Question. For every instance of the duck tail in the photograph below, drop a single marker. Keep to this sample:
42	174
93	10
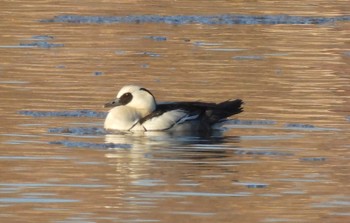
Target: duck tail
225	109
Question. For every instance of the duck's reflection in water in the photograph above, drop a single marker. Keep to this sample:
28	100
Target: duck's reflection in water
197	145
159	161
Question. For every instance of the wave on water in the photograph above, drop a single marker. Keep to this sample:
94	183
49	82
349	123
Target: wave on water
90	145
77	113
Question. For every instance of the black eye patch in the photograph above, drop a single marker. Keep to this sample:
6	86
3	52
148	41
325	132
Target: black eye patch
125	98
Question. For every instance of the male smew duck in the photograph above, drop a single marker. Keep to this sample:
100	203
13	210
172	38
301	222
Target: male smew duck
135	109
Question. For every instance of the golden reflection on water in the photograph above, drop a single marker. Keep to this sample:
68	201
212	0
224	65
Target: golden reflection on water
294	77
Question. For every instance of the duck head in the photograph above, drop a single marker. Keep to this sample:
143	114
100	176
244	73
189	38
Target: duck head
134	97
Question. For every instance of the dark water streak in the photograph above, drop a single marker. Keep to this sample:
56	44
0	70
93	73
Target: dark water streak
226	19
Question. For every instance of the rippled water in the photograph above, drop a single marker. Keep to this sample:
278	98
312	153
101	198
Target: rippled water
285	159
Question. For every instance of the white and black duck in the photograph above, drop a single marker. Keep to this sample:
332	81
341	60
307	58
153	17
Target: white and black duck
135	109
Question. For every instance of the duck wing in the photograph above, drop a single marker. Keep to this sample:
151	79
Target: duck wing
170	114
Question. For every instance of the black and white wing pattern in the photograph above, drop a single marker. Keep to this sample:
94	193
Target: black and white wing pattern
168	115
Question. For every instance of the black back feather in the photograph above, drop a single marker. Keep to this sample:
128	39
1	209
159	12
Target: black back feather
208	113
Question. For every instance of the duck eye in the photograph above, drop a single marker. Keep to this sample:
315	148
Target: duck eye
125	98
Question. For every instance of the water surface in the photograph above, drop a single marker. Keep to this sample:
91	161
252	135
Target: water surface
285	159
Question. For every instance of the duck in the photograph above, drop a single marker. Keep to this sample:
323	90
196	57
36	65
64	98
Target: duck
136	109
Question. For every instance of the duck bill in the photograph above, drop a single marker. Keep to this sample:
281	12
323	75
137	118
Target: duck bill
112	104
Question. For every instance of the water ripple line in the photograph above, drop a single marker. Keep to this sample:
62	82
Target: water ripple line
223	19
